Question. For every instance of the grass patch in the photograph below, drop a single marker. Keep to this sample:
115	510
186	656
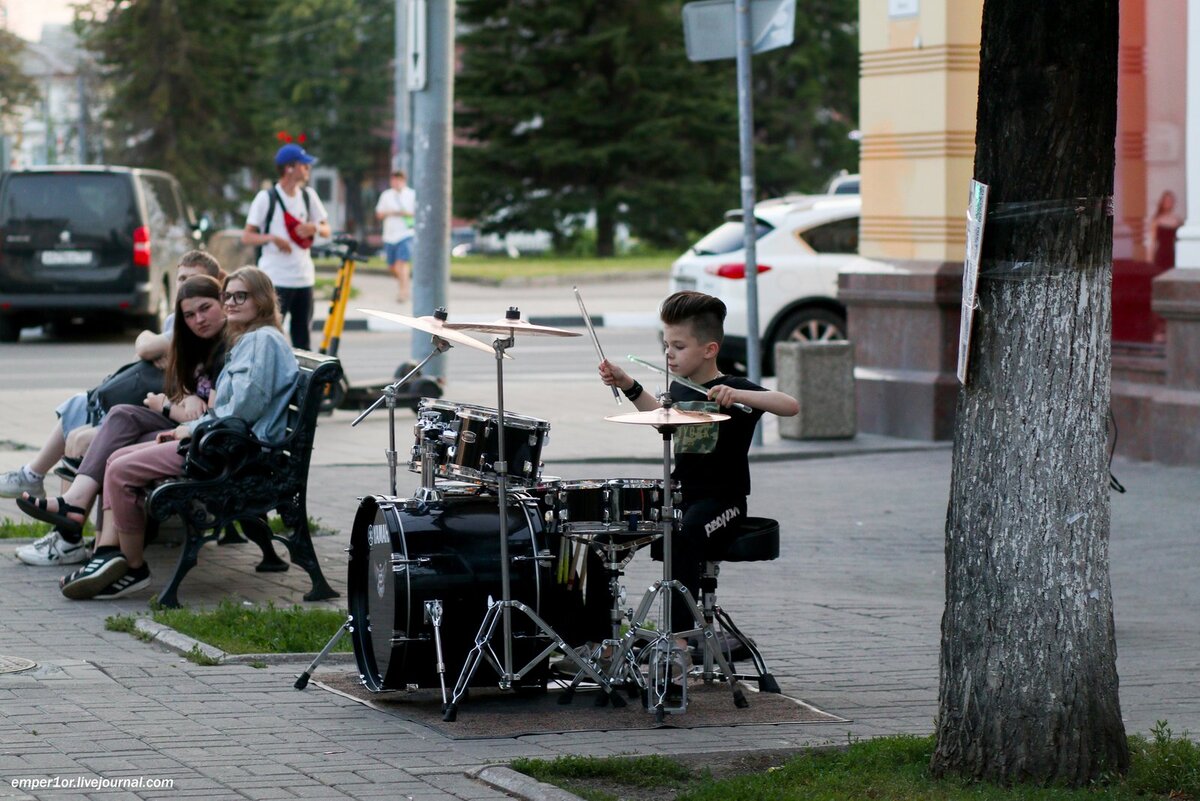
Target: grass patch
239	629
1164	766
126	624
497	268
32	529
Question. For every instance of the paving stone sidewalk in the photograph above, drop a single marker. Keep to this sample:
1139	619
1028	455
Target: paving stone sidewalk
848	619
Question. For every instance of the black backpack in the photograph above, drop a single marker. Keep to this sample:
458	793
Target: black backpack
274	199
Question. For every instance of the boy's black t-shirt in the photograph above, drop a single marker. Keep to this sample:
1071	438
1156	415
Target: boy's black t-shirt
712	459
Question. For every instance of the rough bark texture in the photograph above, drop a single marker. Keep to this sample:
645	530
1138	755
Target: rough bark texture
1028	687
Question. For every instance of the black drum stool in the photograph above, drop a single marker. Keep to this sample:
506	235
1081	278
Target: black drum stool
757	540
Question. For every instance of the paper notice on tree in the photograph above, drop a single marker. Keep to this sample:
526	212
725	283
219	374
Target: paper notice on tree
976	216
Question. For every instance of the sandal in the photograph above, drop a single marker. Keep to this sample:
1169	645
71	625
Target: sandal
37	508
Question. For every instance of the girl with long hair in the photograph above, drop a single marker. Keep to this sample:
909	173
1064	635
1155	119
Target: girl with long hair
255	385
197	352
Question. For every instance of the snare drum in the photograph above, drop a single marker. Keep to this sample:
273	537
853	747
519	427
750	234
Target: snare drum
476	447
613	504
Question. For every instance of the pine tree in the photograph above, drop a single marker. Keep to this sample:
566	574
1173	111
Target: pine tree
180	77
329	78
806	101
587	106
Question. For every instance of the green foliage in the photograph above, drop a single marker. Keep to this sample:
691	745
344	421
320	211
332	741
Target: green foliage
181	76
894	768
123	623
22	529
1165	763
239	629
16	88
806	101
201	658
590	105
329	79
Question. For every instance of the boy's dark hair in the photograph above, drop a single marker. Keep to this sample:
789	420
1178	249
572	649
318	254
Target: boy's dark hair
705	313
202	260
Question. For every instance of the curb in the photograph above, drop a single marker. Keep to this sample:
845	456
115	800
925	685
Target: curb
184	645
510	781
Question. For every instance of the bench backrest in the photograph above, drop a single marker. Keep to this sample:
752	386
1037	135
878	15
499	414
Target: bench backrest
318	372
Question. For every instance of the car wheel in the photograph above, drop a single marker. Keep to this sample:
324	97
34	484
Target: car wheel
10	329
806	325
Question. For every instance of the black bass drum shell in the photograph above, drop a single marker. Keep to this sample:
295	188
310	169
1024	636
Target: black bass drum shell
447	550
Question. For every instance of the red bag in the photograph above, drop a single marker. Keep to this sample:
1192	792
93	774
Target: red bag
290	221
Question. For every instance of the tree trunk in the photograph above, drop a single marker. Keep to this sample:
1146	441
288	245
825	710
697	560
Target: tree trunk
606	228
1028	688
355	216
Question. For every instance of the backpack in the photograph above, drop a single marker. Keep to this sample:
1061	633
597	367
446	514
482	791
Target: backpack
274	199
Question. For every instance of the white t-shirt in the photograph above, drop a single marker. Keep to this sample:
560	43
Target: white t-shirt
395	227
293	269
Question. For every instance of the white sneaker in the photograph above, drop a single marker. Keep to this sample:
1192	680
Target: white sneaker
53	550
14	482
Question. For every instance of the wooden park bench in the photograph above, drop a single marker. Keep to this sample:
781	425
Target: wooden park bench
247	479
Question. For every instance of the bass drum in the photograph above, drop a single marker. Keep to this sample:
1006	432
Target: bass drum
404	553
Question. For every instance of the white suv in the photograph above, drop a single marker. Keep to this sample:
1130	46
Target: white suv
802	243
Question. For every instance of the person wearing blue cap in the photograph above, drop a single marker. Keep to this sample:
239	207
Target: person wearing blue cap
282	223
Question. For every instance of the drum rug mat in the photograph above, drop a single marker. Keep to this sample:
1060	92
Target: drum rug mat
488	712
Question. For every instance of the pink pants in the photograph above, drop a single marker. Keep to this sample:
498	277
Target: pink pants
129	471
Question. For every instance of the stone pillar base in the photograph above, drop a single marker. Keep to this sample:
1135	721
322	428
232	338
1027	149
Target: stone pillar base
903	317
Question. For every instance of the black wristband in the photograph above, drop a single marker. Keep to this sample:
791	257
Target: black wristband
634	392
166	409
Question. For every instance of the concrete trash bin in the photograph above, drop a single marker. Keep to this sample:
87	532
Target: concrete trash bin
820	375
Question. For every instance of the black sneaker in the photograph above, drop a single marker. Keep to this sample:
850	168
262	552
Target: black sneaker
96	575
127	584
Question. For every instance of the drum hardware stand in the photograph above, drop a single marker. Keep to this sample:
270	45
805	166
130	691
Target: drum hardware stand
433	614
614	565
439	345
663	649
302	679
501	611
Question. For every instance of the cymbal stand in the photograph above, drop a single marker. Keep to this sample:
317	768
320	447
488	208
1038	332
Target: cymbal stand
438	345
662	648
500	612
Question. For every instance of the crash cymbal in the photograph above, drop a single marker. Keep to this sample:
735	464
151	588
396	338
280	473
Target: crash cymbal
513	324
435	325
667	417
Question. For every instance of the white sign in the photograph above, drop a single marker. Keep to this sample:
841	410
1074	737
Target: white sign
903	8
710	27
416	45
976	217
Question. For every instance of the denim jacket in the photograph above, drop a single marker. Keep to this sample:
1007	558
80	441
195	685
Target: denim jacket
256	383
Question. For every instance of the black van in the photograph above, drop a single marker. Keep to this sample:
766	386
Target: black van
89	242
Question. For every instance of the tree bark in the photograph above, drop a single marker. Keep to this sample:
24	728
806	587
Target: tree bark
1028	688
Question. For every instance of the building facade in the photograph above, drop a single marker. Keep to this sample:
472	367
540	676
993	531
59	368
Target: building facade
919	87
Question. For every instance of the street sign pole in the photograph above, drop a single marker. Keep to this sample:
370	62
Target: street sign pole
746	145
400	125
431	78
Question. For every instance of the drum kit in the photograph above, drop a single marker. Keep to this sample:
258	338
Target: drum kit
423	569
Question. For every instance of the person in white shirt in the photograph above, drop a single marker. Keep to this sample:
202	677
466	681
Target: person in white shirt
395	208
283	221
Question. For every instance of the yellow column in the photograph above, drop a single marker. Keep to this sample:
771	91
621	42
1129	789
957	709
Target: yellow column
920	78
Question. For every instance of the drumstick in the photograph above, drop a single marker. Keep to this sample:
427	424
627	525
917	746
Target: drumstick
587	320
741	407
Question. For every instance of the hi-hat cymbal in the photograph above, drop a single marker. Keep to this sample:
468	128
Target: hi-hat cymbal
667	417
435	326
513	324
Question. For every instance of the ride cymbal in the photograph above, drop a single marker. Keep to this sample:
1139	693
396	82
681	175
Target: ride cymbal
513	324
434	325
